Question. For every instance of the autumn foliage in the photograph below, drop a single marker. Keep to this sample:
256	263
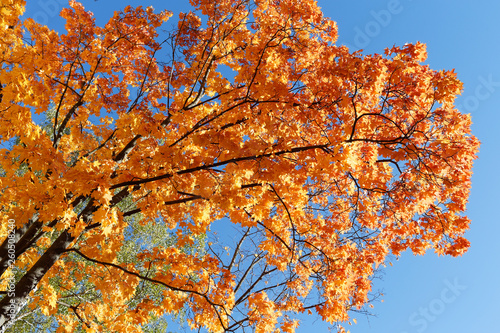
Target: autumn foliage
283	168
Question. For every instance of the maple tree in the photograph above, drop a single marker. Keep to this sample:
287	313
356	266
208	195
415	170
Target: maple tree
320	161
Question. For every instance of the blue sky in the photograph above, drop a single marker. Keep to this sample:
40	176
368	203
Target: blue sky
430	293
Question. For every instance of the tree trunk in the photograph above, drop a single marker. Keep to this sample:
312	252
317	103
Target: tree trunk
14	301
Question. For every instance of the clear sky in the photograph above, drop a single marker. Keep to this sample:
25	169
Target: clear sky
421	294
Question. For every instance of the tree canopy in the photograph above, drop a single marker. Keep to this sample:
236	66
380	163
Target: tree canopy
127	148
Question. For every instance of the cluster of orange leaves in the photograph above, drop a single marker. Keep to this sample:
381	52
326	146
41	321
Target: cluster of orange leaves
338	159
